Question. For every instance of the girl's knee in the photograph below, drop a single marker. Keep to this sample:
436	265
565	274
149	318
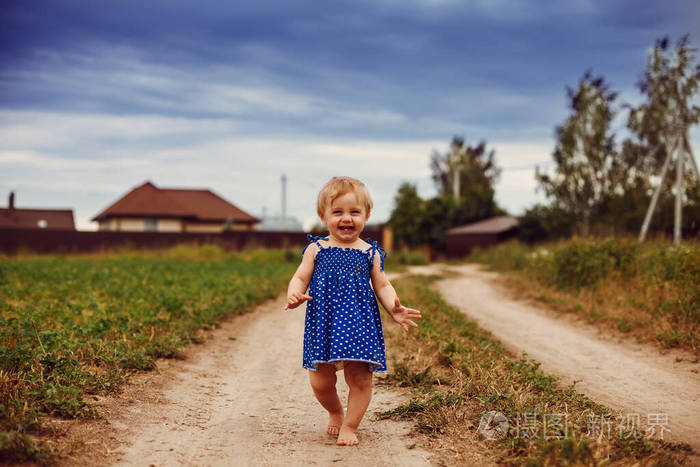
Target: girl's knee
358	377
322	380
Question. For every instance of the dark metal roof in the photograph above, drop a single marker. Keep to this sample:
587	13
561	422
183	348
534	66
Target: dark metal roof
493	225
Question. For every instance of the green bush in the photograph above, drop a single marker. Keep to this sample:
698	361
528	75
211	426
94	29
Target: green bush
545	223
674	271
408	257
511	255
583	263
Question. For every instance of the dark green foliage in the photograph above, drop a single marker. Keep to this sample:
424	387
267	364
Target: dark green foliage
417	222
544	223
406	257
406	217
584	263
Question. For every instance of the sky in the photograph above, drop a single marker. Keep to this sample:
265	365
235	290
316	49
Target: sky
98	97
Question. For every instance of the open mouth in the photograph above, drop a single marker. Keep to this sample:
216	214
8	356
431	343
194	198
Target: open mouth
346	228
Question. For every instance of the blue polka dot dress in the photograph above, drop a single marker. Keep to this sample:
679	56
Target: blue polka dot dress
343	320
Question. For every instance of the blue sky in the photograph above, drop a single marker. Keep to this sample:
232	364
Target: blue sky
98	97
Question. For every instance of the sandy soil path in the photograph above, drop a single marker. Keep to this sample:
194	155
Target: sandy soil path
629	377
242	398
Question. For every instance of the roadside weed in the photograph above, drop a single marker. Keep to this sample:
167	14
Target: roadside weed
459	372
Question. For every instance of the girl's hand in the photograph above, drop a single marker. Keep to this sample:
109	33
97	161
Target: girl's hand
403	315
296	299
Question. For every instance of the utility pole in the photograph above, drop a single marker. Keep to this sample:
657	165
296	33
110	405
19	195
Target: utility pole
678	214
681	146
455	183
655	196
284	197
456	163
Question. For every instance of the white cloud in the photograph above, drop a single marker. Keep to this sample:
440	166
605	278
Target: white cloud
51	130
34	161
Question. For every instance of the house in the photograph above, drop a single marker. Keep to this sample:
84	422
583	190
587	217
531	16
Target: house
148	208
460	241
12	217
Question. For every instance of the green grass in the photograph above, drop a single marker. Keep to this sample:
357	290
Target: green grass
407	257
649	290
71	326
458	371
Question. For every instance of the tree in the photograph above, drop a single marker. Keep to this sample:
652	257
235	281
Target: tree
670	83
587	170
477	168
406	217
478	174
541	223
416	221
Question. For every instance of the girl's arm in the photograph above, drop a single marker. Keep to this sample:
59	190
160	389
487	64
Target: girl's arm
296	292
390	301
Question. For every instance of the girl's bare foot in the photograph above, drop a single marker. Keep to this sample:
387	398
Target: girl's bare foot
347	437
335	421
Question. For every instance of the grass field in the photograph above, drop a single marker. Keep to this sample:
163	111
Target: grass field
71	326
457	372
648	291
79	325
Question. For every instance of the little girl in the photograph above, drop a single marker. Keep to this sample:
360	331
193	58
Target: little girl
343	327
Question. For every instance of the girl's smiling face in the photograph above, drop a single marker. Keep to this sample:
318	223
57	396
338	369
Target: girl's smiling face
345	218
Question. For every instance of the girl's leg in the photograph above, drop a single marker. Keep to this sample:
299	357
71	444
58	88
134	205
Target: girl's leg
323	383
359	380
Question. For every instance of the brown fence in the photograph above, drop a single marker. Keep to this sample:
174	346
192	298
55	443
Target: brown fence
73	241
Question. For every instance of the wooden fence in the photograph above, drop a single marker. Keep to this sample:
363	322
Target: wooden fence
74	241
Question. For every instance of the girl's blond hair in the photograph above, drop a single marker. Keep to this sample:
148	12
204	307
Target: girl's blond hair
338	186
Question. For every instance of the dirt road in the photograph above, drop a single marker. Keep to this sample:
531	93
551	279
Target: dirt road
241	398
630	377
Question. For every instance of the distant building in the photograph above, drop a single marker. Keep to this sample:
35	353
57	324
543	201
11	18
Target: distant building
12	217
460	241
148	208
278	223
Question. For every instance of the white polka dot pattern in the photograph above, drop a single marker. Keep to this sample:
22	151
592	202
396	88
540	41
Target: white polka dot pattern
343	320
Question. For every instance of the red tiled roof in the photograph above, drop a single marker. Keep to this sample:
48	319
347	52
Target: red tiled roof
147	200
30	218
492	225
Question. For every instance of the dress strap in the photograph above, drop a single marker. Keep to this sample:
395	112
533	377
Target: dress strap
373	249
311	238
